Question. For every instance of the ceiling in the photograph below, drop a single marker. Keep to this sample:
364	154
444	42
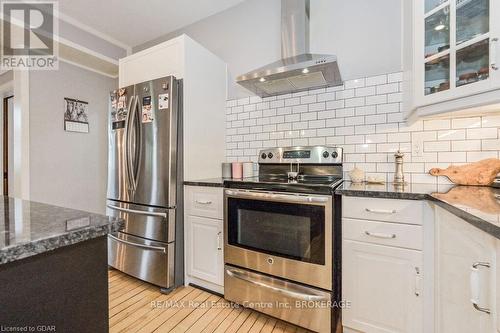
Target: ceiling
134	22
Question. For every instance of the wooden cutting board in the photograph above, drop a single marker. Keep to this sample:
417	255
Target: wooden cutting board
478	173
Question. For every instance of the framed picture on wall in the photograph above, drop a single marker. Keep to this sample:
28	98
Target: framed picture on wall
76	115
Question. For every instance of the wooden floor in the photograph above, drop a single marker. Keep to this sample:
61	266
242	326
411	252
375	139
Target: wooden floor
138	307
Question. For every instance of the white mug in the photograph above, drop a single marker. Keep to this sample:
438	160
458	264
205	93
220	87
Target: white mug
247	169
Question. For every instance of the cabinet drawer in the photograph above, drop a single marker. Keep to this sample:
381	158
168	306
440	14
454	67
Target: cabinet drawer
389	210
204	201
392	234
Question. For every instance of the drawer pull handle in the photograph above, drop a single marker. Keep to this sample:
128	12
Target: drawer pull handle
379	235
203	202
380	211
143	246
475	286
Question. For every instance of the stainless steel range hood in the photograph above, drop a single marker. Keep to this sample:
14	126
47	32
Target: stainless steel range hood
298	69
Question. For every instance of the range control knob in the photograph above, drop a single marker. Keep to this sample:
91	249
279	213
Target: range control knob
270	155
335	154
263	156
326	154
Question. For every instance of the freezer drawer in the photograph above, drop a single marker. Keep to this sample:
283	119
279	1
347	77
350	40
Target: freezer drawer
145	221
291	302
146	260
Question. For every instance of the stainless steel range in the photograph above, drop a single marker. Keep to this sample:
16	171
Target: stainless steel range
282	236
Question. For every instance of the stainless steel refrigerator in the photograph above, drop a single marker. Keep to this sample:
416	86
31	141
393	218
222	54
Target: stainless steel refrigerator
144	181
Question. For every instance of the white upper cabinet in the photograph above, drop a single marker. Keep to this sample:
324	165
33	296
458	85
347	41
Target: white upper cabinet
455	56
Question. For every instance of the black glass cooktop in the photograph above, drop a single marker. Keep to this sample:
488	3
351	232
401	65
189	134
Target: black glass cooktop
303	184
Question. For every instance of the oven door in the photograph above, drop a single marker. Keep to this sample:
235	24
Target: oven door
281	234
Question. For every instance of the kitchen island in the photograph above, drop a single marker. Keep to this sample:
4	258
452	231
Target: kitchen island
53	268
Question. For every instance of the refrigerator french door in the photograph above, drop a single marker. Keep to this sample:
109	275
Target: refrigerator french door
142	179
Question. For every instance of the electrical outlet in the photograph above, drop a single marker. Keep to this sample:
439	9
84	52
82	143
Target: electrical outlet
417	148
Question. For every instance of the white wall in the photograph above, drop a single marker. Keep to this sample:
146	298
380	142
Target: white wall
68	169
364	34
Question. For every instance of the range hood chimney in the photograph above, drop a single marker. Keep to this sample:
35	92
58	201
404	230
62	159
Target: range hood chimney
298	70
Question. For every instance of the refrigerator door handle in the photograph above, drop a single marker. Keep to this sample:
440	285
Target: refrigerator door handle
130	160
138	142
127	134
138	212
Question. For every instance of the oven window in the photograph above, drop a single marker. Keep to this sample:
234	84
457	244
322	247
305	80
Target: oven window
294	231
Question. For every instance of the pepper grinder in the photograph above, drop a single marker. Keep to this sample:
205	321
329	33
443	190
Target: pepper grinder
399	177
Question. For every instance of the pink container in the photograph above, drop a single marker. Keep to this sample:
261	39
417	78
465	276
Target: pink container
237	170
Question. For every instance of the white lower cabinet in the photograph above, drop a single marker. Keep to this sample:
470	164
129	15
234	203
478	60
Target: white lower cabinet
465	275
383	286
206	261
204	237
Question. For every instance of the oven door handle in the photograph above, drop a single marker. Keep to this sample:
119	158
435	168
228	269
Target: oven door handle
275	196
289	293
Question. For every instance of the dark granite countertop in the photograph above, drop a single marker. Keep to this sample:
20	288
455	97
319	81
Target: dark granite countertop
28	228
478	205
212	182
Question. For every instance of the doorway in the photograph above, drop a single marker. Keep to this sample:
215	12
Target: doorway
7	109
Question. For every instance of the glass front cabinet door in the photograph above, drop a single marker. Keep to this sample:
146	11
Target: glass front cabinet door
455	51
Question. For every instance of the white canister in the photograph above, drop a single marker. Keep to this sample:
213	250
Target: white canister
247	169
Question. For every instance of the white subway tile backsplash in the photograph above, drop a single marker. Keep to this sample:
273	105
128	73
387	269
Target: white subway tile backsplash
395	77
376	119
399	137
347	112
366	110
387	88
339	104
388	108
277	104
300	108
343	94
308	99
335	122
354	102
473	156
451	135
355	120
375	100
366	91
491	144
363	116
365	129
482	133
437	124
309	116
437	146
452	157
466	145
376	80
354	83
491	121
326	114
466	122
329	96
376	138
317	106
